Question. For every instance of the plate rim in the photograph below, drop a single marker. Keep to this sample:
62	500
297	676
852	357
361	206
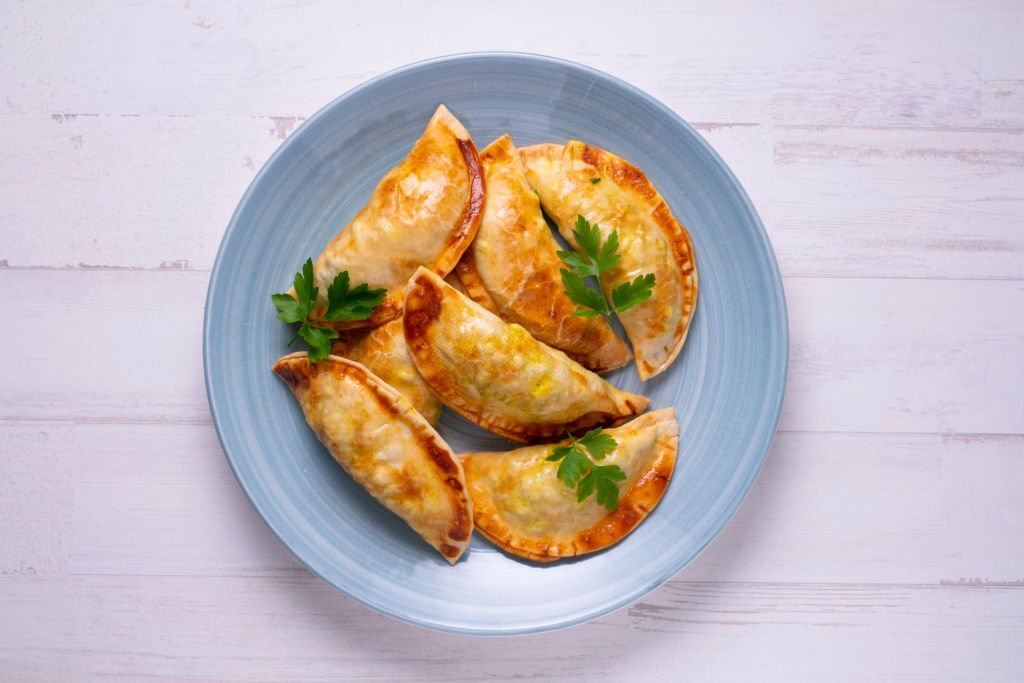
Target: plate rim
761	234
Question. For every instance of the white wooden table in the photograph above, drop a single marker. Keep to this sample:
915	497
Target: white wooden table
883	144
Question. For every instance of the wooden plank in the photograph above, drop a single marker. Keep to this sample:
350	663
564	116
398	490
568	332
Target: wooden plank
878	140
35	496
160	500
120	345
178	182
920	63
883	508
836	201
126	191
905	356
896	203
866	355
208	628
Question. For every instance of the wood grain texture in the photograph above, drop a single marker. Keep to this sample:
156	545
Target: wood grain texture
898	156
848	338
871	202
128	499
860	202
950	63
126	191
270	629
882	143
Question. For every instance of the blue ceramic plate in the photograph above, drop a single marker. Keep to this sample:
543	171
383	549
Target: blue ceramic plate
726	386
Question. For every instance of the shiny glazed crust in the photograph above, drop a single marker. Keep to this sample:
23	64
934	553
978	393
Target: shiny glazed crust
512	268
562	176
646	486
383	351
424	212
496	375
386	446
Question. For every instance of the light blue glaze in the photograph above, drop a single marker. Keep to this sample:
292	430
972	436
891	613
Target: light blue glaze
727	385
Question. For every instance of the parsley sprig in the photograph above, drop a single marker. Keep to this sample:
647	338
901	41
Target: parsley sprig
599	258
343	303
579	470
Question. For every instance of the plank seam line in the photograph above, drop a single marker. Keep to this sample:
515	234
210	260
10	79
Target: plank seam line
299	572
61	116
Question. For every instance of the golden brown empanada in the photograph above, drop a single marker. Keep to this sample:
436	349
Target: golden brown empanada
385	445
496	375
424	212
522	506
454	281
512	268
384	352
579	180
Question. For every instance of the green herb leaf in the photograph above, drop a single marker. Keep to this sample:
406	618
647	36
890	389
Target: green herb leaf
595	181
351	304
607	491
596	258
573	464
306	291
319	340
293	309
629	294
588	237
608	257
598	443
576	289
343	303
581	265
290	310
578	470
586	487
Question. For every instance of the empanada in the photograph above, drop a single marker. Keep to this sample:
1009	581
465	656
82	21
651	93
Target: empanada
576	179
520	505
496	375
512	268
386	446
424	212
384	352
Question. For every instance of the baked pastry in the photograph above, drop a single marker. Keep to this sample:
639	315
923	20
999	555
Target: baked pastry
383	351
520	505
424	212
497	375
512	268
385	445
579	180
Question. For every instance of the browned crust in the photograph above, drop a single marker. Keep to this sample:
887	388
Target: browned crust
545	312
472	211
632	180
298	372
543	150
387	311
423	300
458	239
348	340
362	347
454	282
633	508
513	551
468	272
472	283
